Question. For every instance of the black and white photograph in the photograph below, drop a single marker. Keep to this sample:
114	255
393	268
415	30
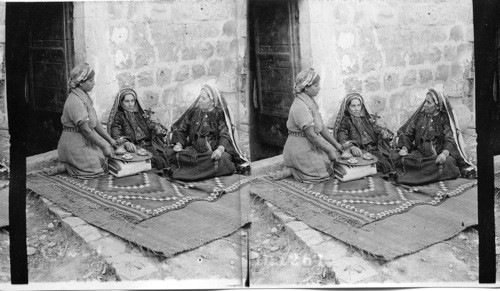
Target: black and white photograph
249	144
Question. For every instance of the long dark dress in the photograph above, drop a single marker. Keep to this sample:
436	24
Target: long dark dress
136	129
426	137
200	133
367	135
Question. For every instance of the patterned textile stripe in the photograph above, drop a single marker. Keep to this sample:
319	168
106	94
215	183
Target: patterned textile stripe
142	196
370	199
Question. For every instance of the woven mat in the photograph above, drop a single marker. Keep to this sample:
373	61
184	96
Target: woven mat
133	198
386	223
169	232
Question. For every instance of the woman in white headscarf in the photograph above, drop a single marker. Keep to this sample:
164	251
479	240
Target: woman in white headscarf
431	145
131	126
204	140
357	130
84	144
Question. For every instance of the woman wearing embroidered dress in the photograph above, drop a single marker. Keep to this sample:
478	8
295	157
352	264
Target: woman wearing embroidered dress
357	130
431	145
204	140
309	150
130	125
84	144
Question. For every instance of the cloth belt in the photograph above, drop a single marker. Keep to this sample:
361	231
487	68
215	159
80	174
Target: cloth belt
71	129
297	134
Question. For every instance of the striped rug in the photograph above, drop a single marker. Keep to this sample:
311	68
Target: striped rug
137	197
167	233
405	219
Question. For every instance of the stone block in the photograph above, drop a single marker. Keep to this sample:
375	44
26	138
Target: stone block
221	49
296	226
198	71
372	61
456	70
144	56
377	103
163	76
230	28
38	162
410	78
350	270
119	34
309	236
188	53
395	57
425	76
456	33
391	81
167	51
206	50
145	79
126	80
283	217
230	68
330	250
349	63
372	84
182	74
109	246
433	55
449	53
215	68
131	267
442	72
465	52
123	59
352	84
149	99
87	233
59	212
170	94
416	58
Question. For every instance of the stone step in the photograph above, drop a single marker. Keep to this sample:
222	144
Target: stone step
348	268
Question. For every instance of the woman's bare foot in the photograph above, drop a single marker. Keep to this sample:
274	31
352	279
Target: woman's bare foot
54	170
281	174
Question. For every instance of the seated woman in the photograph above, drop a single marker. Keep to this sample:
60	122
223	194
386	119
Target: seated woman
84	144
204	140
129	124
309	150
431	145
356	129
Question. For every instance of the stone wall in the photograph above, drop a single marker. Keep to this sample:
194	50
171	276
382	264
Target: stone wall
390	51
3	96
165	50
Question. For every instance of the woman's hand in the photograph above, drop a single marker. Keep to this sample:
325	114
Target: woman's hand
333	156
114	143
107	151
403	151
385	134
441	158
158	129
177	147
130	147
217	154
355	151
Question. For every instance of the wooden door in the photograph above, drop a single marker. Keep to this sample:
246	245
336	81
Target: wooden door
276	48
50	54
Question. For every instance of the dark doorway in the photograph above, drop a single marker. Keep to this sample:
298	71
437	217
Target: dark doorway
274	63
46	56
